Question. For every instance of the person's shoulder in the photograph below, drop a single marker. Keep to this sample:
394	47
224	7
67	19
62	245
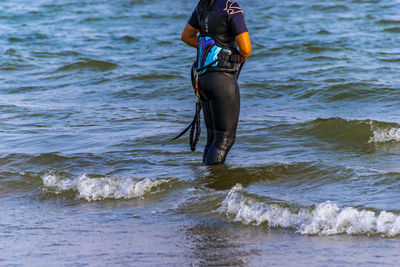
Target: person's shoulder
229	7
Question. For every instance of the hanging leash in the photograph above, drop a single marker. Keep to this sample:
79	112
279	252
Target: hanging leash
194	126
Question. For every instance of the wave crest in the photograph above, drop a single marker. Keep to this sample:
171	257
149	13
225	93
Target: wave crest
105	187
385	135
324	219
351	132
89	64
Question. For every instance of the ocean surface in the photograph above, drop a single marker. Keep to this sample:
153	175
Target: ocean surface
90	90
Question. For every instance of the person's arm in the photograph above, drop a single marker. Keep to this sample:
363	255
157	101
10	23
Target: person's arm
189	36
239	30
243	41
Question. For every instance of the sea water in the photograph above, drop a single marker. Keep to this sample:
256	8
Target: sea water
90	90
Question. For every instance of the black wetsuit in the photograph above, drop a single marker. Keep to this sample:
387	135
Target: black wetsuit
219	89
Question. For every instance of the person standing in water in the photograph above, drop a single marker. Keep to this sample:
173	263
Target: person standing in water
223	44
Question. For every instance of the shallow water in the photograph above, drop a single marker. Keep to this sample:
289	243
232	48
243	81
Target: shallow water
90	90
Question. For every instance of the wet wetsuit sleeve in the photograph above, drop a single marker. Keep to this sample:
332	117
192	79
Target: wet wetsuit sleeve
193	20
236	19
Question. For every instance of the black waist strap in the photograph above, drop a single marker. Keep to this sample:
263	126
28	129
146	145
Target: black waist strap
232	58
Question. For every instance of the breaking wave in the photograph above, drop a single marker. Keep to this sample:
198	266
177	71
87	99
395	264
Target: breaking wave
326	218
354	132
385	135
105	187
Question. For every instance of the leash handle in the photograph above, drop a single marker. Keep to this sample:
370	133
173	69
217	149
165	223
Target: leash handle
195	128
196	85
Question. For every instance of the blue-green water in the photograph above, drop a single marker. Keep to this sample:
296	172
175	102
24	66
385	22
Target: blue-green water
91	89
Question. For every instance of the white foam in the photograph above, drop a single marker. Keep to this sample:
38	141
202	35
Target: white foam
58	183
325	219
102	188
385	135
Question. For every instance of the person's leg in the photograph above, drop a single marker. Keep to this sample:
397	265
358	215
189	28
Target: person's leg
224	106
209	125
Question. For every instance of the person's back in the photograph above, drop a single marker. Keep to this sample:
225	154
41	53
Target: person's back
223	22
222	31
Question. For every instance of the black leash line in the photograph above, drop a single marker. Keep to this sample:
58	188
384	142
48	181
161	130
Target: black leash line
194	126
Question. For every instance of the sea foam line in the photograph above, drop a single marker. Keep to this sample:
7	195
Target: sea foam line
385	135
105	187
325	219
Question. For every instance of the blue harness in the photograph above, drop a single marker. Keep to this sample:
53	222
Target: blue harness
208	54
